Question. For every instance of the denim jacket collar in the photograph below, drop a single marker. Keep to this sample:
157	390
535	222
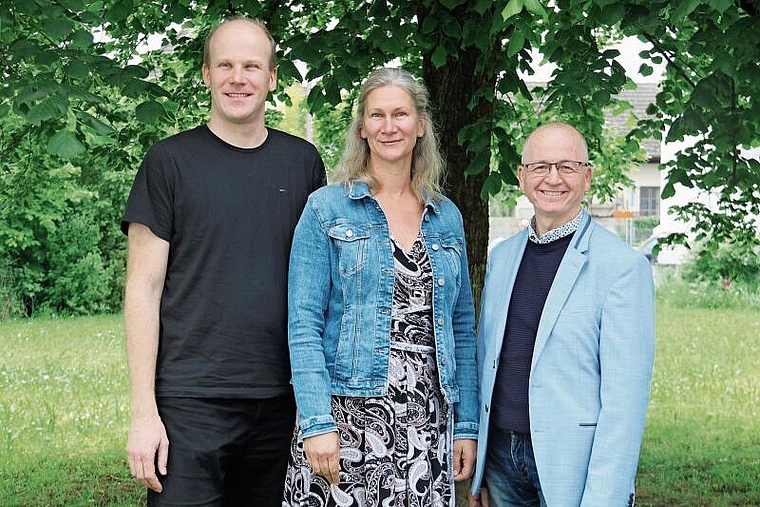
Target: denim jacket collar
360	190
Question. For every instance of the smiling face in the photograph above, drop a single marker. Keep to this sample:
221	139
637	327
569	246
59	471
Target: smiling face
238	74
391	126
556	197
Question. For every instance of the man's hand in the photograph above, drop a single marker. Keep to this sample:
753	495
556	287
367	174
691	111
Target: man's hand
322	452
148	446
479	500
465	451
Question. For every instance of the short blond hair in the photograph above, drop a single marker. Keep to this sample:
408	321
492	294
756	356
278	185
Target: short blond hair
255	22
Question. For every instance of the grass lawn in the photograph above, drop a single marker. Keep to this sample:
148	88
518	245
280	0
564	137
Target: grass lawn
64	412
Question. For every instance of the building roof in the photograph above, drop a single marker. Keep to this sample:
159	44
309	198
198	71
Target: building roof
639	98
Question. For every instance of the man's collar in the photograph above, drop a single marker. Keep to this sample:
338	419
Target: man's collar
556	233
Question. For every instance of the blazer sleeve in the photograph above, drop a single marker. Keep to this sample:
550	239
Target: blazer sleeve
626	356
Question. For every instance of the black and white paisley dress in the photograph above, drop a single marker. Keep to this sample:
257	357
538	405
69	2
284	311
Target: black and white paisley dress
395	450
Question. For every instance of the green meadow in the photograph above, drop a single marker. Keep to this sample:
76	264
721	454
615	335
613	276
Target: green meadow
64	411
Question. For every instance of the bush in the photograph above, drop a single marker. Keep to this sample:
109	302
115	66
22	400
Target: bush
10	303
737	262
677	287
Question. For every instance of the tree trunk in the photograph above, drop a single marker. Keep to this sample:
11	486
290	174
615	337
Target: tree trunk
450	88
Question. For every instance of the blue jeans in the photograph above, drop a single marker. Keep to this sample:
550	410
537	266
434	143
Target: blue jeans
510	475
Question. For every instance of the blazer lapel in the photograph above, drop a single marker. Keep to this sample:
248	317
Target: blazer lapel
567	274
505	271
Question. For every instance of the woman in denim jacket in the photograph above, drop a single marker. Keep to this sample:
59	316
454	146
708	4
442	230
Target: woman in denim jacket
381	319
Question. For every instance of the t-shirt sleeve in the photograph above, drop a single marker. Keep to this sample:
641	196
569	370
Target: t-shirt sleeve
320	176
150	201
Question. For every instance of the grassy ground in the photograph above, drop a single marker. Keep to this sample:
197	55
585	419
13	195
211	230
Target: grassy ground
64	413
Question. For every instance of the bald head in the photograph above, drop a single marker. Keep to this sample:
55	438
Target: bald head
558	137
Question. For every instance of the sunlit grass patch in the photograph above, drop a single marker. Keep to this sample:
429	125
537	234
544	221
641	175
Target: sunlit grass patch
63	386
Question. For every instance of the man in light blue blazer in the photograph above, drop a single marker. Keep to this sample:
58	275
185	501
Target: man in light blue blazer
565	346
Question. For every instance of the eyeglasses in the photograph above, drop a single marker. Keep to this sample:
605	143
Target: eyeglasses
564	167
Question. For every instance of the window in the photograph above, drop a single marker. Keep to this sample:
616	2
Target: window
649	201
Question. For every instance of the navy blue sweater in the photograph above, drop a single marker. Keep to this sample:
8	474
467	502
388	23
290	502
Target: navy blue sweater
534	279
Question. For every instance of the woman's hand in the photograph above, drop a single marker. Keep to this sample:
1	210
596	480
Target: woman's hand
322	453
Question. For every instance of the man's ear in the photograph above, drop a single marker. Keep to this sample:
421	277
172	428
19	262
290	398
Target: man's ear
206	75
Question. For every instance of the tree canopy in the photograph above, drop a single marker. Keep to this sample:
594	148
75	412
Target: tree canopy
84	95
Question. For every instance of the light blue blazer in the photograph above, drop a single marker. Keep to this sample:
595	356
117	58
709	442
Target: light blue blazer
591	367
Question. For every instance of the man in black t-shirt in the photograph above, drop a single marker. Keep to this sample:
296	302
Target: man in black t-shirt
210	220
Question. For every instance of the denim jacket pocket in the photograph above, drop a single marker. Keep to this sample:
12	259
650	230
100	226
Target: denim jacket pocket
452	249
350	240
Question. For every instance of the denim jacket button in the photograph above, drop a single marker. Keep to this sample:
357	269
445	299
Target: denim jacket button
435	246
441	281
440	321
349	233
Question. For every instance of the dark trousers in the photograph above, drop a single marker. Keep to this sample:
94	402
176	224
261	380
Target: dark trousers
225	452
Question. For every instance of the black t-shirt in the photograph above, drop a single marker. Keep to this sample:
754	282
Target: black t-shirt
228	214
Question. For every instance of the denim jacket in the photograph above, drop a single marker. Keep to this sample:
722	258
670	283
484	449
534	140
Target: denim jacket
340	290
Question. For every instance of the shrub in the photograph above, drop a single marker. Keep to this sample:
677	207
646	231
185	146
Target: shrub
730	262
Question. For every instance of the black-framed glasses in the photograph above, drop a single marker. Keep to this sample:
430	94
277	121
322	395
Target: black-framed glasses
564	167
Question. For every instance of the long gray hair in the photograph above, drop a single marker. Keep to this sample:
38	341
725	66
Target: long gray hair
427	162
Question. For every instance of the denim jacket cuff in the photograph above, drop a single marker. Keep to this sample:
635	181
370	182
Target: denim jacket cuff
466	430
317	425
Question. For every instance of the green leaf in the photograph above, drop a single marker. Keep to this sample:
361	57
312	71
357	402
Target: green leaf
452	4
704	95
481	6
57	28
721	5
97	125
72	5
134	88
685	8
76	69
452	29
119	11
645	70
65	144
516	43
479	163
429	24
50	108
601	98
439	56
535	8
136	71
491	186
81	39
604	3
513	8
149	112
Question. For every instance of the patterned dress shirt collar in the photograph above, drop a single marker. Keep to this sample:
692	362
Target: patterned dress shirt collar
556	233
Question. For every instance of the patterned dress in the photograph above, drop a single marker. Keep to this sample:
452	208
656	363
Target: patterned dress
395	450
